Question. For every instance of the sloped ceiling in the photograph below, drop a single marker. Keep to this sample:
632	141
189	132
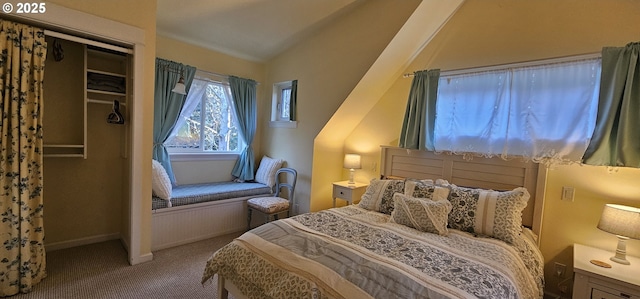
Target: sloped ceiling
255	30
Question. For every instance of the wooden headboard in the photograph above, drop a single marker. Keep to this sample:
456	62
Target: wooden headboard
488	173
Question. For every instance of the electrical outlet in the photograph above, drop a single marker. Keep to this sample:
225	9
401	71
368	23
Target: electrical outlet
560	269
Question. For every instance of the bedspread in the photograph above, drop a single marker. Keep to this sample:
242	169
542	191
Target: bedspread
354	253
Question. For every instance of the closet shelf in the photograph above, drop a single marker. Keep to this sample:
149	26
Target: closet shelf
111	93
65	145
106	73
63	155
63	151
101	52
105	102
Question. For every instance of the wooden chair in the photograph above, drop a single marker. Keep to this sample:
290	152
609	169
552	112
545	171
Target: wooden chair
272	206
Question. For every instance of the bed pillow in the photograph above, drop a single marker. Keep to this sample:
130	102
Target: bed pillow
497	214
420	213
160	182
379	195
425	189
266	173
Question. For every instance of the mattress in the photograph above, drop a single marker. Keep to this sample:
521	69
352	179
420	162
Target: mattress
197	193
351	252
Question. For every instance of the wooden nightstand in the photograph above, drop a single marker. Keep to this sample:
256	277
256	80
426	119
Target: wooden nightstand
591	281
348	192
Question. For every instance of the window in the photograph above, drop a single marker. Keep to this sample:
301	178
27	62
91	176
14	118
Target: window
544	112
284	104
281	105
207	123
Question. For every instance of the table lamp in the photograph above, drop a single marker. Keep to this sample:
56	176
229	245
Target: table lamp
352	162
624	222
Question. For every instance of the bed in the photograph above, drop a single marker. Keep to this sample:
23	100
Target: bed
379	249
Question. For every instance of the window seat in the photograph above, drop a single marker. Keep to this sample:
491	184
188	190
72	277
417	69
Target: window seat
205	192
201	211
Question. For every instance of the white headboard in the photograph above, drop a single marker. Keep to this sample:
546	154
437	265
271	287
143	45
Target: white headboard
479	172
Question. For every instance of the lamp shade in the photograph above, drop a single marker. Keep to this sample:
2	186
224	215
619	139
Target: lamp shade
620	220
180	88
352	161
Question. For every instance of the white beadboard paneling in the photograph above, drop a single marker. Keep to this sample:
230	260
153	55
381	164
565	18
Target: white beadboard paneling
185	224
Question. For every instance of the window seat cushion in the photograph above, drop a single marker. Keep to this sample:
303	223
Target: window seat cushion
197	193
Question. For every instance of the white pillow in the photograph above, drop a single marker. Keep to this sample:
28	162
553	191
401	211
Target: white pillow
160	182
266	173
421	213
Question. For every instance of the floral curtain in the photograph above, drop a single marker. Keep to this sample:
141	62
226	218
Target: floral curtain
22	254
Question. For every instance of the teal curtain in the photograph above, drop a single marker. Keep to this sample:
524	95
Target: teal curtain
293	101
243	92
167	106
420	115
22	63
616	138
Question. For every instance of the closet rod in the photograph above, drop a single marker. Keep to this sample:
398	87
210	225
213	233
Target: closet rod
514	65
87	41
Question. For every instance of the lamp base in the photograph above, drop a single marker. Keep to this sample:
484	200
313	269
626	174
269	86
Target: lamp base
351	181
620	261
621	252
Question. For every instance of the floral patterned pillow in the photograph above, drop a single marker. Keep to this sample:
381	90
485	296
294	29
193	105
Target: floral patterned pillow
425	189
379	195
420	213
497	214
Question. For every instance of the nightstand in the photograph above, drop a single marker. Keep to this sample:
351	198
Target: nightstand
348	192
591	281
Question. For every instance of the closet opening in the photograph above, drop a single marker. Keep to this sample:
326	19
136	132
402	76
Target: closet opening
100	195
86	149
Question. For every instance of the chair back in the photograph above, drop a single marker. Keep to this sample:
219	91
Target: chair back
291	175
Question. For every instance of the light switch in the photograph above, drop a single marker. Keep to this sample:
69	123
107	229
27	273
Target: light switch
567	193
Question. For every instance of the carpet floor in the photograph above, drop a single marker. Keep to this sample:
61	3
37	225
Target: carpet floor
101	270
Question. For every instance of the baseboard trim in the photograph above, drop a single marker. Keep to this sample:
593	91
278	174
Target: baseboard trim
141	259
197	238
82	241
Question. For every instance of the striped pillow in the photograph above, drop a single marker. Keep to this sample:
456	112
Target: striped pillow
266	173
497	214
379	195
421	213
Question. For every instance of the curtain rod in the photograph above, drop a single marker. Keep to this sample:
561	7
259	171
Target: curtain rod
216	74
514	65
91	42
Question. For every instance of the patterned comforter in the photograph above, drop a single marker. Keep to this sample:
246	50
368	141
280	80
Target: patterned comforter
350	252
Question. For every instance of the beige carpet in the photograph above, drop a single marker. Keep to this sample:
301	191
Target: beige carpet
101	271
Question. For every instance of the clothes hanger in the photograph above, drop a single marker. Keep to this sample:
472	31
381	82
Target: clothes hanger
115	117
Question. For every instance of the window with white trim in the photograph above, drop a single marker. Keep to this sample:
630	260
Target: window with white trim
207	123
543	112
281	105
